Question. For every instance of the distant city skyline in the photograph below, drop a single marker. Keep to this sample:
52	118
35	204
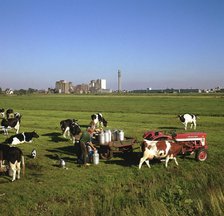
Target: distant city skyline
155	44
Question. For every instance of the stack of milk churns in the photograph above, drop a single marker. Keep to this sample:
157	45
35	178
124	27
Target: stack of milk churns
107	136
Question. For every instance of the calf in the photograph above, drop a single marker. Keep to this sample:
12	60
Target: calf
98	120
14	157
11	123
188	118
21	138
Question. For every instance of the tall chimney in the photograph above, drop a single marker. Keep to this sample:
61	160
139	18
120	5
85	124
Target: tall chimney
119	81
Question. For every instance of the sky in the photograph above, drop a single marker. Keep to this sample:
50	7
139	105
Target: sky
155	44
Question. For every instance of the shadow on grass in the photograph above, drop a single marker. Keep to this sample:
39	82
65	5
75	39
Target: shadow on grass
169	128
67	153
55	137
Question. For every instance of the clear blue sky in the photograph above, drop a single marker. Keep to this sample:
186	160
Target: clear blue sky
155	43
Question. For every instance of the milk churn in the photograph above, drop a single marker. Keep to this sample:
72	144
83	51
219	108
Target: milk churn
121	135
114	135
109	132
95	158
102	138
107	136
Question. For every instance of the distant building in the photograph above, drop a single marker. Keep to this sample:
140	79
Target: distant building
97	85
63	87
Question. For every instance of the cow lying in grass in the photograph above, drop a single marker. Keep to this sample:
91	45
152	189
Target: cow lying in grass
188	119
14	157
162	149
21	138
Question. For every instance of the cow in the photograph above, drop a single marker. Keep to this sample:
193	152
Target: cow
65	126
10	123
21	138
98	120
162	149
188	118
14	157
70	128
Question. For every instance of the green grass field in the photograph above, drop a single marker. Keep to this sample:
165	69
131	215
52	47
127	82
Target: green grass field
115	187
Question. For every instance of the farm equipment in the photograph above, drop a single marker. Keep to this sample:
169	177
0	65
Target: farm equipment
195	141
115	145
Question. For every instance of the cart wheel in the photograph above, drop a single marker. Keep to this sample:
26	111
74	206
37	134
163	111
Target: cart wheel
106	153
201	155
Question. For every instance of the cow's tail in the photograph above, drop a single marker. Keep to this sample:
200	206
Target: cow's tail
23	164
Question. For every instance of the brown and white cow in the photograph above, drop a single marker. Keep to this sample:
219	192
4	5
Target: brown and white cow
161	149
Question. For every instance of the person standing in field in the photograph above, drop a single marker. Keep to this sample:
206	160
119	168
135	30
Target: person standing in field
84	146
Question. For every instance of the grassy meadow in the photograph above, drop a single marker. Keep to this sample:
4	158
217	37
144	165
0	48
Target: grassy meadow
117	186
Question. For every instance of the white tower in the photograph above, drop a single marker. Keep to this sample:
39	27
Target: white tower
119	81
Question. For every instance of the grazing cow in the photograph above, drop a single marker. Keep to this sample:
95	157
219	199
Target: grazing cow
14	157
188	118
70	127
66	125
11	123
21	138
98	120
162	149
157	149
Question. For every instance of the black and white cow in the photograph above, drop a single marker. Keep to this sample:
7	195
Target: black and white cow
10	123
21	138
14	157
188	118
70	128
98	120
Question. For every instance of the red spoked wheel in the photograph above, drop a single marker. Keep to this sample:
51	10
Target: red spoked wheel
201	155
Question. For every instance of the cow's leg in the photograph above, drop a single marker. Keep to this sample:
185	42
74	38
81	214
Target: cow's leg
195	125
142	160
175	159
66	132
147	162
13	168
17	127
167	160
185	126
18	168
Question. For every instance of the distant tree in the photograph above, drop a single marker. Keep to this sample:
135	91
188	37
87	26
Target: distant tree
0	90
20	92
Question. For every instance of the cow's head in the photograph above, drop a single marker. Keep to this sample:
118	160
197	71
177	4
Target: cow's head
104	122
34	134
